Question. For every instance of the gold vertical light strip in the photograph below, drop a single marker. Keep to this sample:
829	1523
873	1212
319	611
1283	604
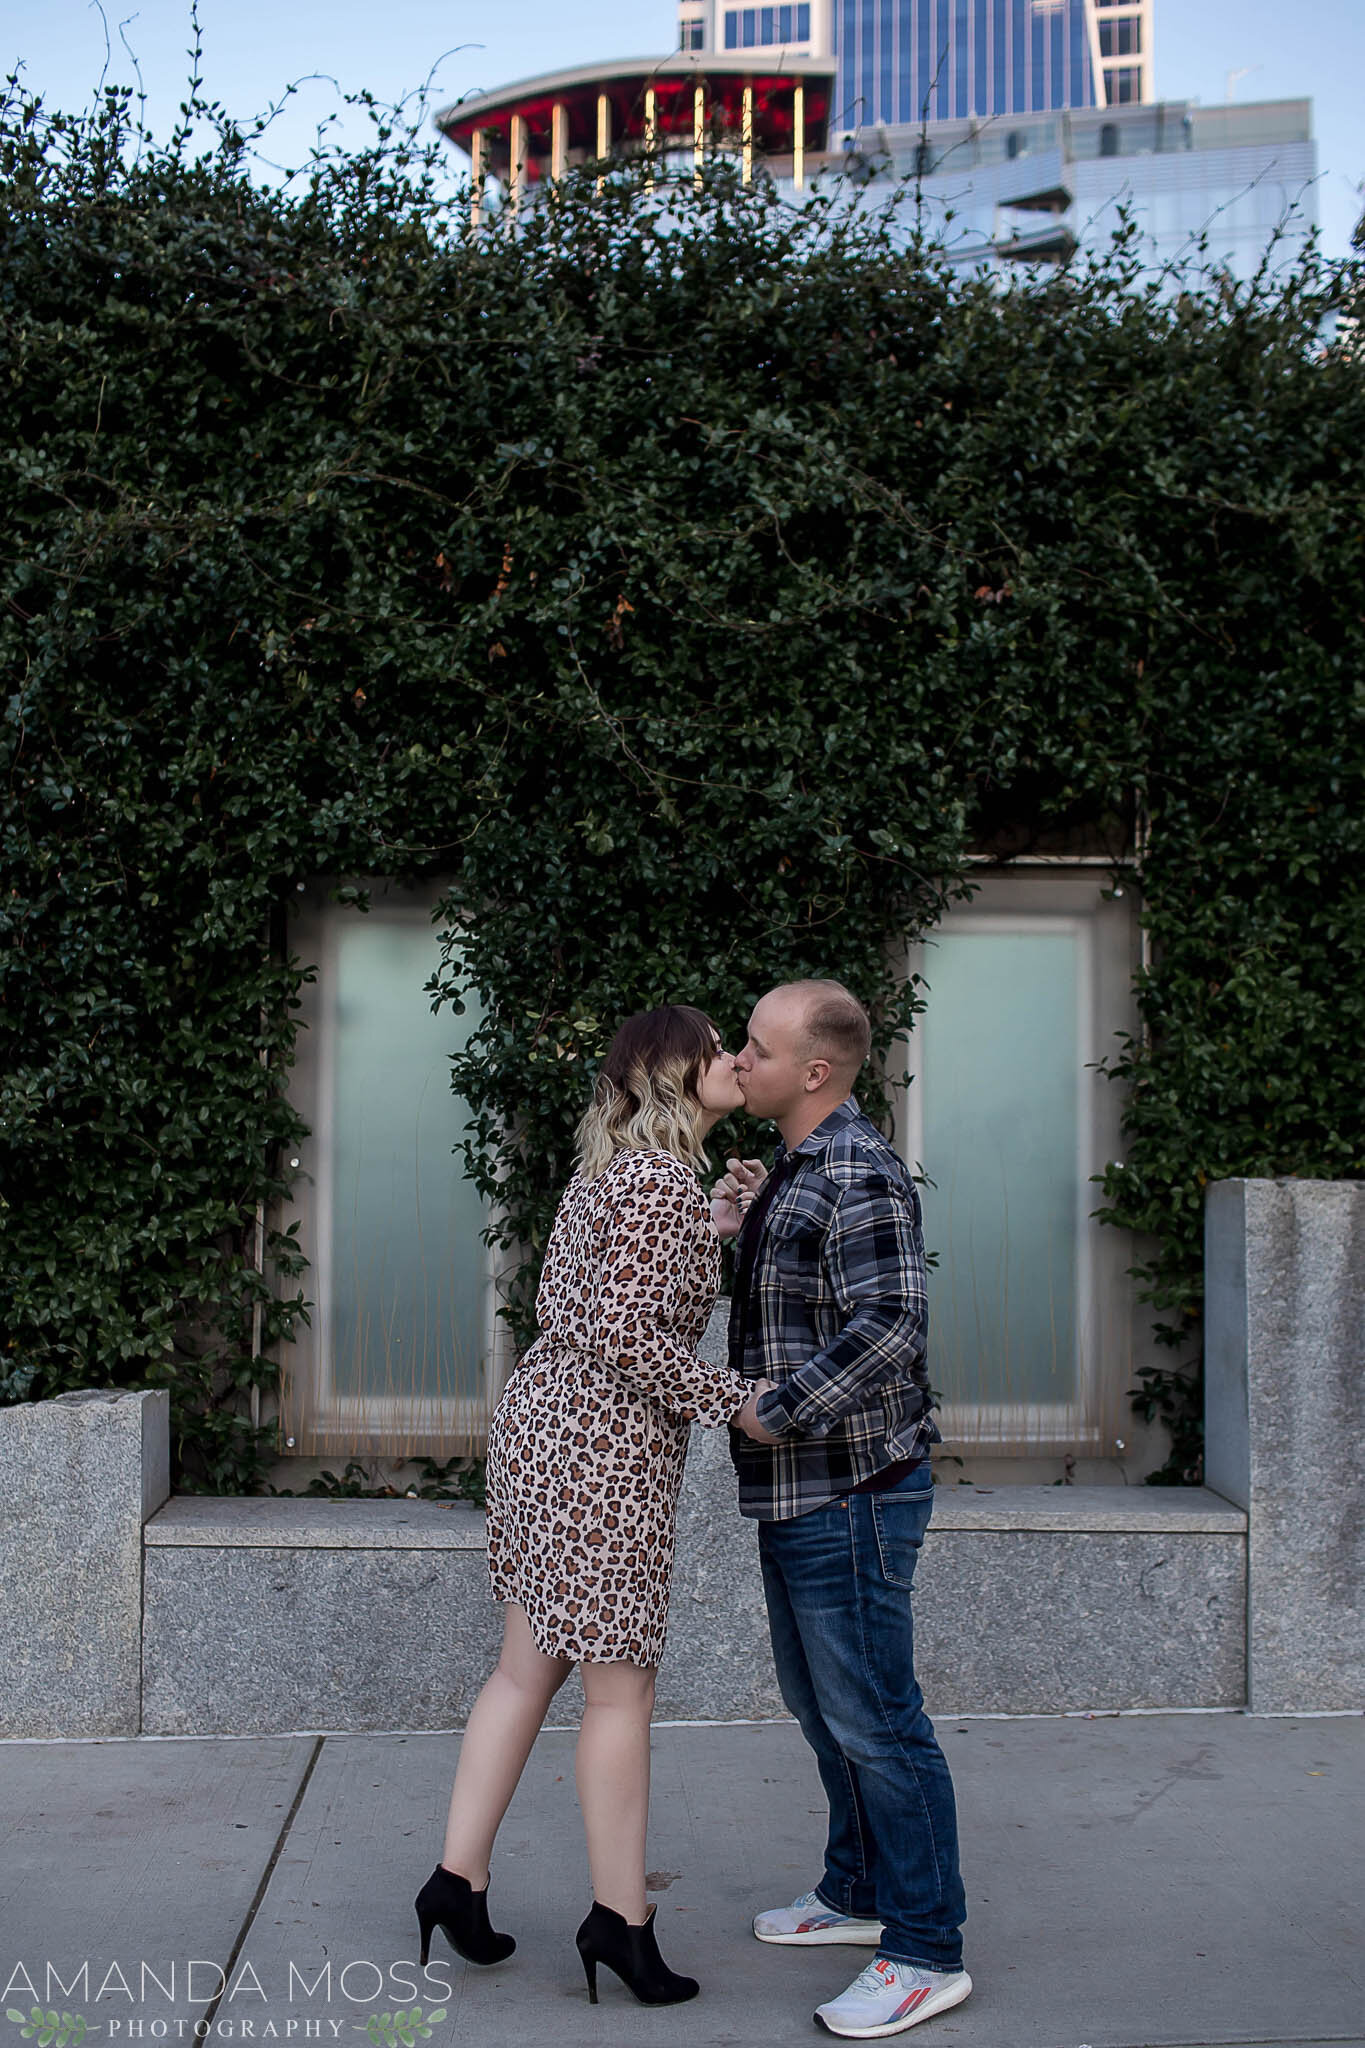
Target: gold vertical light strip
651	134
559	136
747	131
476	178
799	136
516	169
698	131
603	129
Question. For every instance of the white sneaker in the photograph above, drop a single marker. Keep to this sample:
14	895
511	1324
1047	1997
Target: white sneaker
888	1997
809	1923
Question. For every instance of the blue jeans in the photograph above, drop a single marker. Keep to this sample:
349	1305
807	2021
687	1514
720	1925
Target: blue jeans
837	1582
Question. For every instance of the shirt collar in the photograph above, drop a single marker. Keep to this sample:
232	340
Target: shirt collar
815	1141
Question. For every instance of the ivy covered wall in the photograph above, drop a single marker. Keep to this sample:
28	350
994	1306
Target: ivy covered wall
694	584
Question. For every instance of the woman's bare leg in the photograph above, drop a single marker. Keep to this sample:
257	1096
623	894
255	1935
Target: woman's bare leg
612	1772
503	1725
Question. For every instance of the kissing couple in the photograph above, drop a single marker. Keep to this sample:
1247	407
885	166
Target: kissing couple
826	1396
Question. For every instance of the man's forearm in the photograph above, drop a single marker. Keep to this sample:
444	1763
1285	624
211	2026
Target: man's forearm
879	1343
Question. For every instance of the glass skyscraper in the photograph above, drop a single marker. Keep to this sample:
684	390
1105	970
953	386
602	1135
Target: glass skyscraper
943	60
906	61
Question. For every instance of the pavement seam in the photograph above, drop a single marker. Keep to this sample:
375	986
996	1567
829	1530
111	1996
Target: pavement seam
258	1895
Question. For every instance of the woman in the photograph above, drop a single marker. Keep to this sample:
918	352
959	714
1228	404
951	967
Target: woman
585	1459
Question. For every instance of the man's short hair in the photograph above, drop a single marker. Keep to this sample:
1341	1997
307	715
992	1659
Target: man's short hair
835	1027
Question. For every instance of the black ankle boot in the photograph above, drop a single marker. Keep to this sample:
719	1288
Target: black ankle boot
633	1952
449	1902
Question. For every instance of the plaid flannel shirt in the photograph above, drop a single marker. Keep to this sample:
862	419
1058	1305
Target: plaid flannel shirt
836	1313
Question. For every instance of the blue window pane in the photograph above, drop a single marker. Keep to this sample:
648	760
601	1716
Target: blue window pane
1057	97
784	24
867	70
942	52
749	26
732	30
766	31
924	63
885	108
905	45
1077	95
848	113
803	23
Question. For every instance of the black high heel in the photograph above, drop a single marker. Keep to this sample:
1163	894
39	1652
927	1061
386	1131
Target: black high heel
450	1902
633	1952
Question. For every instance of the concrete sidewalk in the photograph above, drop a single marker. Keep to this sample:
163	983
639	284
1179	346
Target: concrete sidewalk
1168	1880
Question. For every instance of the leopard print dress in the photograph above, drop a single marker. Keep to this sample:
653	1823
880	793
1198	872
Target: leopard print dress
586	1448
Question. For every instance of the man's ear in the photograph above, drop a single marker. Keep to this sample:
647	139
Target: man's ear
817	1073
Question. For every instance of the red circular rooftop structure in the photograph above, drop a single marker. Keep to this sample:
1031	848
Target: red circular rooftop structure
543	127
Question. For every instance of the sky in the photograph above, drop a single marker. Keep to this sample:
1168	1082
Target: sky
1205	49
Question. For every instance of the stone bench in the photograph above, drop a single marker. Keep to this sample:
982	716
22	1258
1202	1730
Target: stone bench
123	1611
265	1616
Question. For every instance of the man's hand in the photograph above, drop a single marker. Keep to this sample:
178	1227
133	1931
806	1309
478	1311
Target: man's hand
734	1192
747	1418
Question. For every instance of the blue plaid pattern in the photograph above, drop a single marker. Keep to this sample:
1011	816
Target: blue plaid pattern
835	1312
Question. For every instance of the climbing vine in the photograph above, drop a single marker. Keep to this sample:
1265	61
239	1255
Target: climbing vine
689	583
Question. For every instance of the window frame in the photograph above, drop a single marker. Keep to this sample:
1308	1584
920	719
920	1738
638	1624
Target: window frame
1052	896
314	1419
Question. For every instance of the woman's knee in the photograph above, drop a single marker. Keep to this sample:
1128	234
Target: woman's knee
538	1682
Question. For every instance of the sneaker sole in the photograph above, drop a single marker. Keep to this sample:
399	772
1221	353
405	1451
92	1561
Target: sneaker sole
859	1934
937	2002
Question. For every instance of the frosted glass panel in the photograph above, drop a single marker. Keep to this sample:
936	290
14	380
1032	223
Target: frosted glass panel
407	1263
999	1070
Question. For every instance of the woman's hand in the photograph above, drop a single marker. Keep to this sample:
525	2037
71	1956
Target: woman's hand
734	1193
746	1420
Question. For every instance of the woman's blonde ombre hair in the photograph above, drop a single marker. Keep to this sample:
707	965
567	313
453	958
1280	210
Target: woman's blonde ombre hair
646	1099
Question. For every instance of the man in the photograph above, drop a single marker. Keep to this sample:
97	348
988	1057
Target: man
829	1313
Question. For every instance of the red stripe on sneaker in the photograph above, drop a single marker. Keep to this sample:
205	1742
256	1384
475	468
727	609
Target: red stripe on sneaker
916	1998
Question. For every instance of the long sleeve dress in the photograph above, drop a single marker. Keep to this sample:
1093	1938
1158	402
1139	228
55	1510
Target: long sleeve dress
587	1444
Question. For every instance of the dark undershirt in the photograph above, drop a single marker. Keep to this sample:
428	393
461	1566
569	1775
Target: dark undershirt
883	1481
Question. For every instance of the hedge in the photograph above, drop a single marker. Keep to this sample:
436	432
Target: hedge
691	582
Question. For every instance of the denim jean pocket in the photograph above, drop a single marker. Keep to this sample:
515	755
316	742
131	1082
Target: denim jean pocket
900	1520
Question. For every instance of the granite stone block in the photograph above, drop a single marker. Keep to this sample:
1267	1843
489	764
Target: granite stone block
1285	1421
718	1663
247	1640
1046	1622
1025	1602
1028	1599
78	1476
1016	1612
264	1616
213	1521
